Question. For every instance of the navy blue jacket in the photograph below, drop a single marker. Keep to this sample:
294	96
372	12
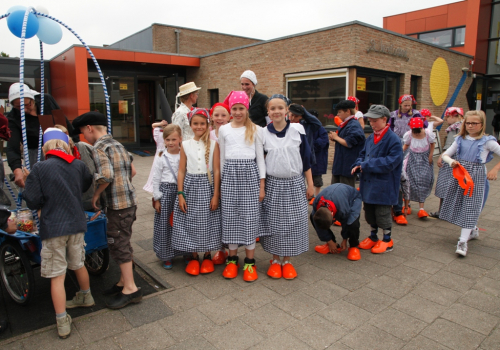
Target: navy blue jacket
321	146
381	166
311	124
344	157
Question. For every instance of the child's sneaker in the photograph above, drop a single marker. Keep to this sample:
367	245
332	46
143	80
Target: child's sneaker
474	234
80	300
167	265
64	326
461	248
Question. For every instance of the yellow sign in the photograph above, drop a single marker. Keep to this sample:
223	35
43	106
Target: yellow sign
123	107
479	96
439	81
361	84
123	87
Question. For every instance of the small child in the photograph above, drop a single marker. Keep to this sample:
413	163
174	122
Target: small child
380	163
165	172
284	210
349	141
321	146
473	149
418	163
432	121
454	117
55	186
342	203
358	115
197	221
160	147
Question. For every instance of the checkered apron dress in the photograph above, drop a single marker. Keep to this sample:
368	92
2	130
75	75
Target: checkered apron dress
463	210
198	230
420	175
284	217
162	236
445	177
240	186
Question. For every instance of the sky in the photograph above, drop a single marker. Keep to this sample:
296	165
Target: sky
100	22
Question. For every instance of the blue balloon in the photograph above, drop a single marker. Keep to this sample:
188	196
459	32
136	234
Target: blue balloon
15	24
16	8
49	32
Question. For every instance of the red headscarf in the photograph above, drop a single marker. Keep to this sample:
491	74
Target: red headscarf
407	98
219	104
425	112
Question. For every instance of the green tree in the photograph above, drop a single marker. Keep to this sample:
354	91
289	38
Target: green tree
3	54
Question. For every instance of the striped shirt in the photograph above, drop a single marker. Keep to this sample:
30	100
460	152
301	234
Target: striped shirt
114	166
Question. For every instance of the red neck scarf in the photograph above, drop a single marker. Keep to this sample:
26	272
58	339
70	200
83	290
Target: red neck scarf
378	135
60	154
341	125
76	153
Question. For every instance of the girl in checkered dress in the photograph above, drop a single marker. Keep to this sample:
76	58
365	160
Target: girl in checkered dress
164	175
285	208
472	150
242	185
454	117
418	162
197	222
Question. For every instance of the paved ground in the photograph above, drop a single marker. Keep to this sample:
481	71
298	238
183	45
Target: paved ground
420	296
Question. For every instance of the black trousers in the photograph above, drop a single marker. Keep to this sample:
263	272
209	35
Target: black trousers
350	231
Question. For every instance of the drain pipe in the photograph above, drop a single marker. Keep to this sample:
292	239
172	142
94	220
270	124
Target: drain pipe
177	40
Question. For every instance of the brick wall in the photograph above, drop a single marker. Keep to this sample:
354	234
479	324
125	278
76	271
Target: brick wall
194	42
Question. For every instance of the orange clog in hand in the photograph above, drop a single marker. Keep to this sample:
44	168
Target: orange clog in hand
464	179
337	120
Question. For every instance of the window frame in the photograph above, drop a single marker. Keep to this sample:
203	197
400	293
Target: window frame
453	36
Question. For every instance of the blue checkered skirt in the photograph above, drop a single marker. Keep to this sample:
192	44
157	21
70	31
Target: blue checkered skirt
445	177
420	175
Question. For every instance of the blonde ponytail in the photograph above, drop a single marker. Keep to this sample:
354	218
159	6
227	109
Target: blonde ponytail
206	141
250	131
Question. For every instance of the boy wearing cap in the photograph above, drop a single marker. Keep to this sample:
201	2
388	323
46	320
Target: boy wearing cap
380	164
342	203
55	186
349	141
114	178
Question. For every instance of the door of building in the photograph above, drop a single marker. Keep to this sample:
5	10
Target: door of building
147	110
377	87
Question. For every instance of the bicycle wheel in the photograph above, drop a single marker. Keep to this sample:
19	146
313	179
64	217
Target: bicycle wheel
16	272
97	262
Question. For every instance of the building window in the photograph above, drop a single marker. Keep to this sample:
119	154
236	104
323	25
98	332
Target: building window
214	96
446	38
318	90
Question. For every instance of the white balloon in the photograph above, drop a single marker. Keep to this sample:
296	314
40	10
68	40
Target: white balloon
42	9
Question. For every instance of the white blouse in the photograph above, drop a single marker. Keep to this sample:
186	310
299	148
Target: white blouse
162	173
180	118
489	146
419	145
232	145
195	154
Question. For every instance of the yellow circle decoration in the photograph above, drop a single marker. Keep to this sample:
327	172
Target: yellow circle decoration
440	81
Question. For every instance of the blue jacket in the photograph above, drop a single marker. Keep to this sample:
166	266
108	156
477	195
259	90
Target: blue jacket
344	157
381	166
311	124
321	145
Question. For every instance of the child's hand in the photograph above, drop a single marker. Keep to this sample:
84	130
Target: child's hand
214	203
310	192
430	160
333	135
440	162
158	207
182	204
262	194
355	169
454	164
492	174
95	199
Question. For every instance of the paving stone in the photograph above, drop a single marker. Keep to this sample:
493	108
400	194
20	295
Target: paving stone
331	263
146	257
492	342
213	288
398	324
49	340
176	325
299	305
494	273
106	343
488	251
482	301
423	343
242	335
419	307
436	293
281	341
317	332
466	270
369	300
488	286
223	309
347	280
283	286
101	326
469	317
414	243
325	291
408	274
424	265
370	338
391	286
479	260
176	277
269	320
338	346
255	296
453	281
367	268
387	260
147	337
147	311
16	345
182	299
404	252
345	314
309	273
453	335
193	343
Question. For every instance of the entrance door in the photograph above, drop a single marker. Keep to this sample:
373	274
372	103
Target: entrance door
122	99
147	110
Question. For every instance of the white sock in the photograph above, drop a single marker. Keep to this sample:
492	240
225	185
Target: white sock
464	235
232	246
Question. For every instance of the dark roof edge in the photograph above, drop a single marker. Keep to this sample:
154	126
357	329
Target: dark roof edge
140	31
205	31
334	27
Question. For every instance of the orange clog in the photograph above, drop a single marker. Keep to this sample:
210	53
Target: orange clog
400	220
257	239
274	270
207	266
422	214
193	267
322	249
367	243
220	257
408	211
382	247
289	272
231	270
337	223
249	273
354	254
312	201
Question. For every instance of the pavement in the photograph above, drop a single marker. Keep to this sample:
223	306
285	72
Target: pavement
419	296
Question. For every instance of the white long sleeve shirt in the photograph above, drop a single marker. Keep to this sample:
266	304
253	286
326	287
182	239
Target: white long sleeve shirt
162	173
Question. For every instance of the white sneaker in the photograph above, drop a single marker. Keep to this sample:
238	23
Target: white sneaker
461	248
474	234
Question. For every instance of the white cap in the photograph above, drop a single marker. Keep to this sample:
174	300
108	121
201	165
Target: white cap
250	76
15	92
